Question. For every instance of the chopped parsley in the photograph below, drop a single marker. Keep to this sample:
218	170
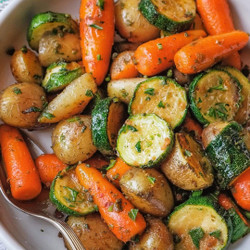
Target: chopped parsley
99	57
72	194
74	119
132	128
149	91
216	234
159	45
133	213
24	49
17	91
138	146
161	105
48	115
187	153
100	3
151	179
219	111
110	208
111	164
31	109
89	93
196	234
218	87
95	26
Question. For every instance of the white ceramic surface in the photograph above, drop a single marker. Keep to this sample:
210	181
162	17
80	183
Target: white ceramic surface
17	230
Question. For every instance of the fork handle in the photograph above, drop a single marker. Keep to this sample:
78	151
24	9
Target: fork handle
69	235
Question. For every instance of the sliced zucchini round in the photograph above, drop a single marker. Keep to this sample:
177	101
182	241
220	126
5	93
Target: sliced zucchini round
49	21
69	195
226	150
59	75
108	116
243	114
187	167
214	96
144	140
160	96
198	224
173	15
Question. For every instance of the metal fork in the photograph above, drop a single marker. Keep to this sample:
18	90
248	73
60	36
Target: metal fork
41	207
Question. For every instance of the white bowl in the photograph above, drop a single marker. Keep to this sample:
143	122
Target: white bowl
17	230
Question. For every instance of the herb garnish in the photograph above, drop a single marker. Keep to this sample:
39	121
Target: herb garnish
133	213
138	146
196	234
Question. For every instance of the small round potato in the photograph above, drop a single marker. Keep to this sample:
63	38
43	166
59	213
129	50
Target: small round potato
131	24
21	104
72	140
94	233
156	237
26	67
54	48
148	190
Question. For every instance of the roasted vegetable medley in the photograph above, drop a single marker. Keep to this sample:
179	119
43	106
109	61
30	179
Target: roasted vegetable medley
148	110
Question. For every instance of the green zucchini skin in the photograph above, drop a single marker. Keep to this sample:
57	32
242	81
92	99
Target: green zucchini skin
61	78
99	126
74	207
240	229
59	19
193	88
208	202
149	11
228	154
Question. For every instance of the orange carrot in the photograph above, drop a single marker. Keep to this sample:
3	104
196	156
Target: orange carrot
204	53
48	166
117	171
191	125
97	36
123	220
227	204
21	171
241	189
157	55
123	66
97	161
217	19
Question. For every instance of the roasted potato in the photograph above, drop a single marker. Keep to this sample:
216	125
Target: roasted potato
21	104
71	101
72	139
187	167
26	67
123	89
148	190
156	237
131	24
94	233
54	48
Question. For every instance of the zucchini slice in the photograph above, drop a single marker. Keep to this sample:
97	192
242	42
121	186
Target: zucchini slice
59	75
107	118
170	15
49	21
160	96
198	224
226	150
144	140
214	96
187	167
69	195
243	114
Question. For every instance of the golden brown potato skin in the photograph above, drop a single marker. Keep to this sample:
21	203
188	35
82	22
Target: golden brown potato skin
94	233
72	139
156	237
53	48
148	190
131	24
26	67
21	104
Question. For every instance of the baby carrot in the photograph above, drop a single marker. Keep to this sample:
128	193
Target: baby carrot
123	220
217	19
157	55
191	126
241	189
21	171
115	173
123	66
204	53
48	166
97	36
97	161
